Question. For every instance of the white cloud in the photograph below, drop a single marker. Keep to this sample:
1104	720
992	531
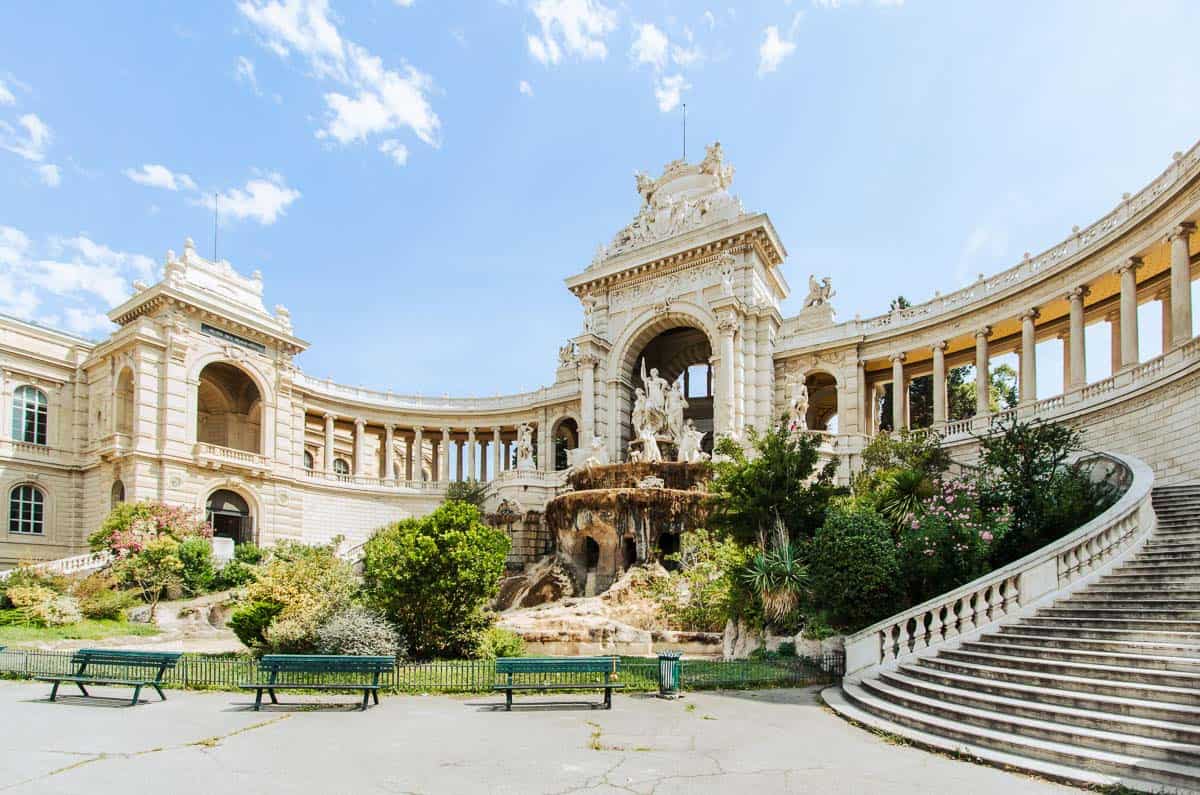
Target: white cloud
773	51
51	175
263	199
374	100
711	19
685	57
243	72
577	27
404	3
395	150
525	88
14	245
650	46
668	90
153	175
6	96
86	322
30	144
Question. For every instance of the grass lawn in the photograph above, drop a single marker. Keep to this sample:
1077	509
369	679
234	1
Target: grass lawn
88	629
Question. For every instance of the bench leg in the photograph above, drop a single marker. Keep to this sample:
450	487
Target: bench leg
82	689
258	699
54	691
137	692
158	687
508	701
375	696
608	698
271	692
366	702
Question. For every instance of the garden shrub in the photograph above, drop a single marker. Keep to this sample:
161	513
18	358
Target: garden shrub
100	598
433	577
853	570
132	525
249	621
234	574
786	649
700	596
25	574
915	449
39	606
500	642
310	584
195	553
359	630
153	569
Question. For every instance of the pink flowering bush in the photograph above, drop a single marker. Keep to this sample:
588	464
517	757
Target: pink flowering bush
131	527
946	542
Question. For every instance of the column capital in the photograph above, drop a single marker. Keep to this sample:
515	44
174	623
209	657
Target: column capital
587	360
1130	264
445	432
471	431
1031	314
329	416
418	428
360	423
1078	293
897	357
983	332
940	345
1183	230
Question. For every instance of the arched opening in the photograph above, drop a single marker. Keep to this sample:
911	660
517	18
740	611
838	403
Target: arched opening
822	402
229	409
566	438
27	511
681	356
308	461
124	402
118	494
628	553
229	514
668	544
591	553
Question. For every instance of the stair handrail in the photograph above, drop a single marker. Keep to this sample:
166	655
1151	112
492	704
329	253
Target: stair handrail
1017	589
76	564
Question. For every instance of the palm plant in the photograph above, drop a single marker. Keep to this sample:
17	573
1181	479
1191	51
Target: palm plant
901	494
778	575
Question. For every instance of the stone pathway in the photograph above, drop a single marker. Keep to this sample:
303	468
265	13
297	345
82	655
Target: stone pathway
760	742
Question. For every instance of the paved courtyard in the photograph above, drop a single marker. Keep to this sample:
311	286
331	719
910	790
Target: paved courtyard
771	741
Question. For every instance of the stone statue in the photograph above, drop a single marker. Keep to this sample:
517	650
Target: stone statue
650	453
688	445
525	447
656	392
726	262
645	185
566	354
819	293
798	406
638	416
589	314
676	403
596	454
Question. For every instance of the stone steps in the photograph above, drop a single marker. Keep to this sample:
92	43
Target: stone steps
1104	682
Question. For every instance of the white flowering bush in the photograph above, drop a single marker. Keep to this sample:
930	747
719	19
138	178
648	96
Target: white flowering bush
359	630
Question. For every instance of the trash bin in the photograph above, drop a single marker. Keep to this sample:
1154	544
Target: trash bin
668	674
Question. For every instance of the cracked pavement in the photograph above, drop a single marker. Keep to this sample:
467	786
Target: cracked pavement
761	742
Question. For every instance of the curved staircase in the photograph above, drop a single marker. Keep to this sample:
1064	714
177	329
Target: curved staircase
1101	687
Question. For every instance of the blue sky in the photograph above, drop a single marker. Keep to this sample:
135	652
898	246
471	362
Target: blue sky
415	178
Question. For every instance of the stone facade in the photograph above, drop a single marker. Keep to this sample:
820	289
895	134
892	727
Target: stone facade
196	399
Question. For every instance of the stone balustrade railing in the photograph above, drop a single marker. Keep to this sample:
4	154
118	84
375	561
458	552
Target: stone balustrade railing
214	455
538	397
77	564
1019	588
366	481
1128	212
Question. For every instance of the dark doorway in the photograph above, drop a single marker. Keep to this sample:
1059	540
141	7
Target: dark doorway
629	553
230	517
591	551
668	544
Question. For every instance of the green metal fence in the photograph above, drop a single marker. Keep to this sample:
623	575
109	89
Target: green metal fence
226	672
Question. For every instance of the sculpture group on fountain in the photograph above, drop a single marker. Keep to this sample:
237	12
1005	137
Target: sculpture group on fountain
657	418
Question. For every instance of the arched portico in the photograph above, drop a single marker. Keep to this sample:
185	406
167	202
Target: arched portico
233	510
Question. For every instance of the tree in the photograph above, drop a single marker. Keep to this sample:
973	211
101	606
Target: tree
783	481
153	569
434	576
472	492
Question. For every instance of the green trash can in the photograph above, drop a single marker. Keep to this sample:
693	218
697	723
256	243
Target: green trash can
668	674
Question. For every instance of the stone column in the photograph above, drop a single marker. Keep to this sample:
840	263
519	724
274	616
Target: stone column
982	375
1065	338
416	458
1163	297
899	393
497	452
408	459
360	428
444	470
727	326
328	443
1078	368
1129	319
587	399
1114	322
459	472
863	402
939	384
1028	372
389	455
471	475
1181	284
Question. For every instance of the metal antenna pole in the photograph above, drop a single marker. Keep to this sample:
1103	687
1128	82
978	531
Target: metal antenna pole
216	216
685	131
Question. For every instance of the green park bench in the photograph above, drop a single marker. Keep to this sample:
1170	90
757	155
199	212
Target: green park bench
96	667
557	673
313	672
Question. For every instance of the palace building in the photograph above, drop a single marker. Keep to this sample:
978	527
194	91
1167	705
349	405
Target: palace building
196	400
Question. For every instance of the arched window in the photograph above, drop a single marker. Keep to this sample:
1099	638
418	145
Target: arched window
29	415
26	510
118	493
340	467
308	460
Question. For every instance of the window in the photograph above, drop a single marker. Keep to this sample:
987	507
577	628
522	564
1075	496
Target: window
118	493
308	460
340	467
29	415
26	511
